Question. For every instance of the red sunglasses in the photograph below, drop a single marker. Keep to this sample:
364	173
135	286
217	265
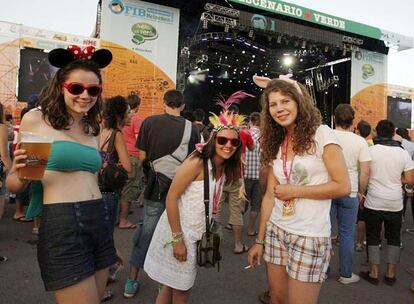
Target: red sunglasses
76	88
221	140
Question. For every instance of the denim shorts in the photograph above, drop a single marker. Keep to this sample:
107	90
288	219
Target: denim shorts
75	241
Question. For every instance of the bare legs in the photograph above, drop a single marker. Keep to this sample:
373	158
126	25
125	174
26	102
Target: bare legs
284	290
88	291
170	295
19	211
252	222
123	216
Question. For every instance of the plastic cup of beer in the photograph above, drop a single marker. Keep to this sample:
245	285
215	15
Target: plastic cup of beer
38	149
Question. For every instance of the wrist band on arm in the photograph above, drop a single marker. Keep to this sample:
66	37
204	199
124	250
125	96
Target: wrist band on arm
260	242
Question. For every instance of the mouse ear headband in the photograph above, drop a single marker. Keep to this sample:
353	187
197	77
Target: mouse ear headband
262	82
62	57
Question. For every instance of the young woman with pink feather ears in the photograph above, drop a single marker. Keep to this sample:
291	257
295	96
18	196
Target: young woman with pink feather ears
306	169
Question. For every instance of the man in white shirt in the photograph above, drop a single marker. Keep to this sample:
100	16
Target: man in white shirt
345	209
391	166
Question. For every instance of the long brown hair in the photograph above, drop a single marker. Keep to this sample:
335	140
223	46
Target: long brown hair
53	106
232	166
307	121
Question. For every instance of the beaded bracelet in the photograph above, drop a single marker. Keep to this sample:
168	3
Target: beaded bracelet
260	242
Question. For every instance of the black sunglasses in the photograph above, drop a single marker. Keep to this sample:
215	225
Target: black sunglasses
76	88
221	140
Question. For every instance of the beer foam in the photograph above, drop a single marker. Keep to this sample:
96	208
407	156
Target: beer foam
29	137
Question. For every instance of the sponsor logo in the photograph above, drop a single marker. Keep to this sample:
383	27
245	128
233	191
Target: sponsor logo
143	31
367	71
116	6
259	22
140	11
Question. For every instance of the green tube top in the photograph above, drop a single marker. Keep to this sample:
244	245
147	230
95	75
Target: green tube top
64	156
73	156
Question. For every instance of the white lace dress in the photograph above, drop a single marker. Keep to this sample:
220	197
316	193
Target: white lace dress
160	263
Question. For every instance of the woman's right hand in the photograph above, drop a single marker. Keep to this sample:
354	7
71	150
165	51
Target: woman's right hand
255	255
180	251
19	160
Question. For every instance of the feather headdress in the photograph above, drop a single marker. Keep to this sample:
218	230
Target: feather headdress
228	119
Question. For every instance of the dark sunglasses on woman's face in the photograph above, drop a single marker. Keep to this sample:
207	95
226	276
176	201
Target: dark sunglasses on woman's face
221	140
76	88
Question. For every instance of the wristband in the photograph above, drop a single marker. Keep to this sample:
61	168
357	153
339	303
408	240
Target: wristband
174	241
260	242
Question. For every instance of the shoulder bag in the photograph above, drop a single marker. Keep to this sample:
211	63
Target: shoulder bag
208	248
112	177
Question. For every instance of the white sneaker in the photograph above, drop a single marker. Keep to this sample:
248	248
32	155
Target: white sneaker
353	279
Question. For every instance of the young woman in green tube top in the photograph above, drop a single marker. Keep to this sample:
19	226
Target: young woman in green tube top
75	246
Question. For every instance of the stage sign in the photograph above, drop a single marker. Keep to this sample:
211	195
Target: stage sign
329	21
269	26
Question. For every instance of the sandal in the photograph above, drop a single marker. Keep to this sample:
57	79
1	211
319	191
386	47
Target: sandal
365	275
265	297
108	295
128	226
22	219
390	280
245	249
252	234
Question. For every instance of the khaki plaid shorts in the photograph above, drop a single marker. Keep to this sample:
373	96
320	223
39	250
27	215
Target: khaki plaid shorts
306	258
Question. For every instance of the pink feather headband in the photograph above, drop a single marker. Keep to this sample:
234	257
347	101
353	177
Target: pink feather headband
228	120
262	82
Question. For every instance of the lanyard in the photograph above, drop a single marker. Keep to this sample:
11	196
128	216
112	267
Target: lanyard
217	193
284	160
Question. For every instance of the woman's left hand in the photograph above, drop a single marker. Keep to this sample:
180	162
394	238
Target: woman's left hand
285	192
180	251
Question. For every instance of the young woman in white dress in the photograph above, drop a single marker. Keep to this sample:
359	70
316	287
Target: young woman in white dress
171	257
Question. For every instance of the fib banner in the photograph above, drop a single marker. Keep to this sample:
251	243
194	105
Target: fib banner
144	40
368	86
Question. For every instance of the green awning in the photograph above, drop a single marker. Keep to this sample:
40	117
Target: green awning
312	16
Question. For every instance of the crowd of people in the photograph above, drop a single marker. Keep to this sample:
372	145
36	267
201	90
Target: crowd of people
294	175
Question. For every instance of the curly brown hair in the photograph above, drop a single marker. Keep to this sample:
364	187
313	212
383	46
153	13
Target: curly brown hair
53	105
307	121
232	166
